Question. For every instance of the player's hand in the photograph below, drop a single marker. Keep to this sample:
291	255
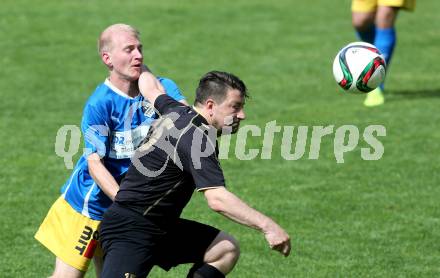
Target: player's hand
150	87
148	83
278	239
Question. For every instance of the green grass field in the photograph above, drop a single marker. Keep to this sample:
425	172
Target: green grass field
355	219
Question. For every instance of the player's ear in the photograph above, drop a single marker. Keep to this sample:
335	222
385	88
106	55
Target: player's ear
209	104
106	59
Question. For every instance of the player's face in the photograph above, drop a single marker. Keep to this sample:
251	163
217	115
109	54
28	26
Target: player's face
126	56
230	112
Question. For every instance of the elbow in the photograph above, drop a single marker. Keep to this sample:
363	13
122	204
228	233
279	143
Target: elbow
217	199
93	159
215	205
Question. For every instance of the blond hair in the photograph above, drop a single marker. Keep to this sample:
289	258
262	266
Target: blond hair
105	40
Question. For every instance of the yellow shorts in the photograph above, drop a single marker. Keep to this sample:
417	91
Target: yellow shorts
71	236
371	5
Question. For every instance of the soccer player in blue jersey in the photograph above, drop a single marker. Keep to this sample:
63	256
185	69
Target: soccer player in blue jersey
115	119
374	21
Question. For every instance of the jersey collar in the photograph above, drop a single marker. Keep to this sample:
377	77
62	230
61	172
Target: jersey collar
109	84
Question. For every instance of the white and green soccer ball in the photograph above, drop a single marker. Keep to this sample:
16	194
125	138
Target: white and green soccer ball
359	67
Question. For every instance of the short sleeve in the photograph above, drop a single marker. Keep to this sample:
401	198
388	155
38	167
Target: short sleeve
95	128
164	103
199	158
171	88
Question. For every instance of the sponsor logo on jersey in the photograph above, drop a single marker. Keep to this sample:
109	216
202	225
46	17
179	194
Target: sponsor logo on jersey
124	143
148	109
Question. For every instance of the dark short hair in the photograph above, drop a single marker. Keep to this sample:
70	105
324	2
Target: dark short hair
215	85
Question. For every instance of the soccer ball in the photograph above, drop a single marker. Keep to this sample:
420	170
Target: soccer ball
359	67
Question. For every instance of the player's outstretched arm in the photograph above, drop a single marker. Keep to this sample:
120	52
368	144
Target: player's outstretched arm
149	86
222	201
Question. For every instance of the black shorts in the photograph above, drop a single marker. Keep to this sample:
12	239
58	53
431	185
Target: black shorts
133	245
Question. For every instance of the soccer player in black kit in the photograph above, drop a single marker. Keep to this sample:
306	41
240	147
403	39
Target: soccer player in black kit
143	227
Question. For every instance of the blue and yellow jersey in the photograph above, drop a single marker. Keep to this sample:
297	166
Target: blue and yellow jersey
113	126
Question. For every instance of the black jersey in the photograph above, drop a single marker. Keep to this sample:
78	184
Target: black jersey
178	156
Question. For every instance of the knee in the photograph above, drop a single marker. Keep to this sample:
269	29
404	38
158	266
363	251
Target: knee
230	247
386	16
362	21
223	253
